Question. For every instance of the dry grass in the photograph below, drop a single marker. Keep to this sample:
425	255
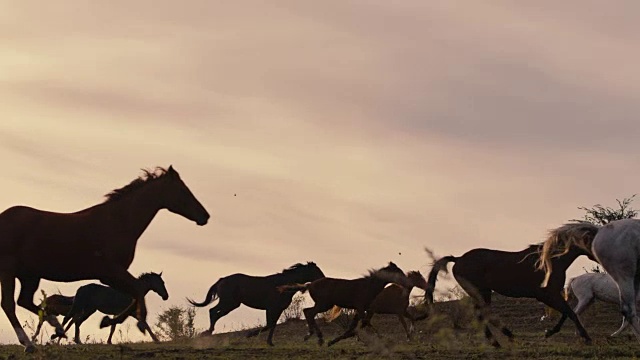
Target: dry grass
435	338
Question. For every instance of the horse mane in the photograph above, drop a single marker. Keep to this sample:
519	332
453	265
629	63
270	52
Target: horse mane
137	183
297	266
560	241
147	274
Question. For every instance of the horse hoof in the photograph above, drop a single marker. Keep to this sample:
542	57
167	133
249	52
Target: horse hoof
269	343
496	344
141	326
307	337
321	342
588	341
30	349
548	333
105	322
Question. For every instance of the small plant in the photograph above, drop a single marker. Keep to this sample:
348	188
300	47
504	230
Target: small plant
176	323
600	215
294	311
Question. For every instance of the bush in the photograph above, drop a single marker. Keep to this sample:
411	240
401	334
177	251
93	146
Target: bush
176	323
294	311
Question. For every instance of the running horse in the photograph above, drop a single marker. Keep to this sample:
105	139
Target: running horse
513	274
616	246
95	243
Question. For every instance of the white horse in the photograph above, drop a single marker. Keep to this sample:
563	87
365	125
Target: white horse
616	246
589	287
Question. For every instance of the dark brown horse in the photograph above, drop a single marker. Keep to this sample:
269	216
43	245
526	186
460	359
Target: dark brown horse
393	300
95	297
357	294
258	292
95	243
512	274
56	305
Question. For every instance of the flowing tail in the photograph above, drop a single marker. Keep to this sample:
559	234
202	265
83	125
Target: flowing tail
568	291
334	314
433	275
560	240
212	294
292	288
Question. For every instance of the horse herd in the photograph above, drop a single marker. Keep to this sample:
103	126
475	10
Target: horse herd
99	243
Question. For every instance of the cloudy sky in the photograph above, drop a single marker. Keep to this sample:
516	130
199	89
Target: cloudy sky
352	132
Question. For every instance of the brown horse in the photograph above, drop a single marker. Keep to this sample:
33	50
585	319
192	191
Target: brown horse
95	243
355	294
393	300
56	305
512	274
95	297
258	292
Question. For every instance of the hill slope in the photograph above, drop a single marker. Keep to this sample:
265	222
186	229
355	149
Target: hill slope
435	338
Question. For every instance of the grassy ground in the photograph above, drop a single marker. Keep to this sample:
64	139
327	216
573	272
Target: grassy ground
448	334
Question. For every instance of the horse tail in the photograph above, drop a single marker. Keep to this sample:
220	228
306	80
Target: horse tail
568	291
560	240
292	288
212	295
438	266
335	312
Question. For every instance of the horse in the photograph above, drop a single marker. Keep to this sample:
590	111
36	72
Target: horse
258	292
392	300
56	305
95	297
586	288
98	242
355	294
512	274
616	246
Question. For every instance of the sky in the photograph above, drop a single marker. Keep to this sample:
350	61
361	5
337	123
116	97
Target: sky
349	133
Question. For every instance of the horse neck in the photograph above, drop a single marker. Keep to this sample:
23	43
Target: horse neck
145	286
563	262
289	277
130	215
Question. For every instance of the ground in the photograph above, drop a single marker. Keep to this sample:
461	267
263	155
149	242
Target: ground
448	334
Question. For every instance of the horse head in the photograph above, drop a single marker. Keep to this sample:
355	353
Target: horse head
155	283
177	198
417	280
313	272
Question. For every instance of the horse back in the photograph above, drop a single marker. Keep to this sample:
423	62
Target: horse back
102	298
509	273
393	299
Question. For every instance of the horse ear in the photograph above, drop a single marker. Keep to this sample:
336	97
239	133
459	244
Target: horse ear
171	169
160	273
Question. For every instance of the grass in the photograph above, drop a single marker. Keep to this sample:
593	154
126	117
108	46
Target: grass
435	338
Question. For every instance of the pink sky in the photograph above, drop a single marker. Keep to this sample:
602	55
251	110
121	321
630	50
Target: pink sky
353	133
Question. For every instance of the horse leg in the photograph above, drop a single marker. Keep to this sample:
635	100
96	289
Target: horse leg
412	319
627	284
121	280
78	320
404	325
153	336
28	287
272	320
8	284
351	330
218	311
111	331
310	316
556	302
